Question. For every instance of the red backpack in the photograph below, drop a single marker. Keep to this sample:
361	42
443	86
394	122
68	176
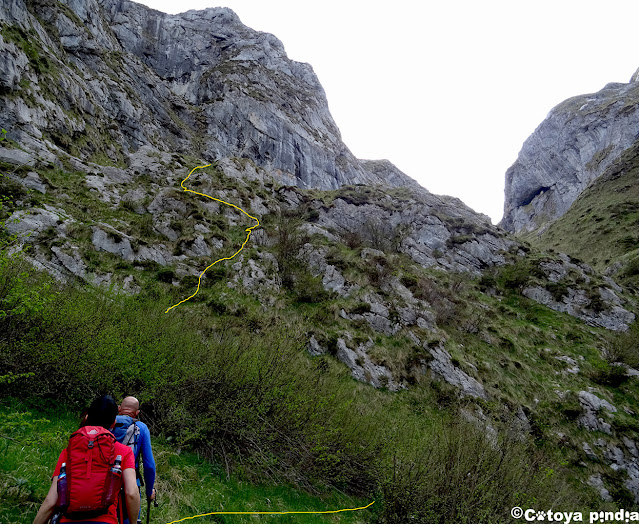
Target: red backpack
90	456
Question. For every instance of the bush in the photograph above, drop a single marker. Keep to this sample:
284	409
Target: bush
465	477
189	283
608	374
409	281
361	308
313	215
623	347
288	242
514	277
487	281
309	289
558	290
166	274
632	268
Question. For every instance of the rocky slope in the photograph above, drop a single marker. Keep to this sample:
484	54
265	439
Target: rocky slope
98	80
109	105
574	145
606	213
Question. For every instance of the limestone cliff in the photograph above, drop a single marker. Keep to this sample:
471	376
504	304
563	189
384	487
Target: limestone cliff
98	79
574	145
110	104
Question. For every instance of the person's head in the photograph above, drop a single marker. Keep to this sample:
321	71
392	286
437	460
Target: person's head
130	406
102	412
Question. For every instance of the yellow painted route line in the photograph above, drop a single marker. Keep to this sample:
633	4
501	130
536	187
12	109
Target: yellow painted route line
269	513
248	234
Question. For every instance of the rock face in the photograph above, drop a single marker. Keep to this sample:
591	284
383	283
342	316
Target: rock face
442	366
576	142
104	78
593	407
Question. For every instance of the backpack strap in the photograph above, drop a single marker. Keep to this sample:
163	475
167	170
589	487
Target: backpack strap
131	439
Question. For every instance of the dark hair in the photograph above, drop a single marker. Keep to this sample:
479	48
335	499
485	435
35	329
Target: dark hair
83	417
102	412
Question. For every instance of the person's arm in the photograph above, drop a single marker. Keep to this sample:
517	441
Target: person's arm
147	460
131	493
48	506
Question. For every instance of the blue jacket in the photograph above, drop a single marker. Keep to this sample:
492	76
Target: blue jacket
142	447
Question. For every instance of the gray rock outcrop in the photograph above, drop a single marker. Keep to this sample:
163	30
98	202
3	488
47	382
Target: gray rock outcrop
363	368
443	366
575	144
593	410
130	79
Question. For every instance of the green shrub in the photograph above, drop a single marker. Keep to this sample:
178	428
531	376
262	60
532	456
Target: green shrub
218	306
217	273
487	281
608	374
149	265
361	308
597	303
146	226
632	268
409	281
558	290
165	274
465	477
309	289
313	215
189	282
457	240
127	205
623	347
616	482
514	277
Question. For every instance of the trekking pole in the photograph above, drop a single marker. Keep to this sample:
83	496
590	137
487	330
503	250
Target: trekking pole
148	506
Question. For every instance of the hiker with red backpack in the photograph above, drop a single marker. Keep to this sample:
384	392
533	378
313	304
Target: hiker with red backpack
131	432
91	473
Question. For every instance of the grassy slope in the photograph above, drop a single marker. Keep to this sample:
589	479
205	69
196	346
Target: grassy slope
34	436
606	214
504	340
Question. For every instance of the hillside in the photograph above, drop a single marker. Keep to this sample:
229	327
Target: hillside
35	435
371	338
607	213
576	143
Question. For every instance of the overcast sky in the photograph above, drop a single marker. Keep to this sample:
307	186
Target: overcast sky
447	90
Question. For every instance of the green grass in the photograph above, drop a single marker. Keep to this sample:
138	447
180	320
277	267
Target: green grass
606	213
187	484
209	381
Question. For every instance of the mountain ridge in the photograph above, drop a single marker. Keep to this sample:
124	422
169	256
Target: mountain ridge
196	87
579	139
379	280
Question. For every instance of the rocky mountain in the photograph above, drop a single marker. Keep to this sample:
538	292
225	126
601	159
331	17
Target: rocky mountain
109	105
606	213
100	80
579	139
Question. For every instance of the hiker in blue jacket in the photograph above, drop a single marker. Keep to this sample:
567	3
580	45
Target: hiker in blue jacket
135	434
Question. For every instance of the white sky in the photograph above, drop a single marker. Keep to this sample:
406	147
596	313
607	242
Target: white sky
447	90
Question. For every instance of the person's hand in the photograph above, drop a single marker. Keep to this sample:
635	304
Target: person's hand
152	497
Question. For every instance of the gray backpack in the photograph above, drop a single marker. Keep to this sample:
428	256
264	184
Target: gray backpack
131	436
